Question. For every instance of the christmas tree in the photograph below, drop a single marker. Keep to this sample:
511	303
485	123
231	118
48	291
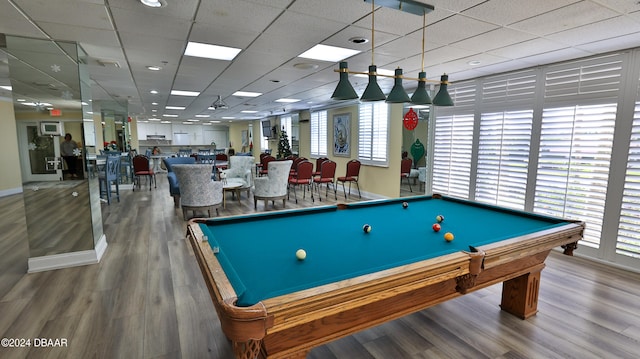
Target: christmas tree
284	149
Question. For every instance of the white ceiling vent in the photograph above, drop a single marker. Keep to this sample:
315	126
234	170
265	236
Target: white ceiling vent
109	63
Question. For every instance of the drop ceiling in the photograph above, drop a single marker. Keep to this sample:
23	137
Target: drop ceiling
502	35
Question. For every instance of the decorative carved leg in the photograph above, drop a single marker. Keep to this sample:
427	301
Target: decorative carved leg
520	294
251	349
568	248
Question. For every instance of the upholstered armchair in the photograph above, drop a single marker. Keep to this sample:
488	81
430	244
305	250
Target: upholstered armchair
240	167
197	190
174	188
273	186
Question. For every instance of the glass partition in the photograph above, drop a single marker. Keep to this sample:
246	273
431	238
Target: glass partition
52	100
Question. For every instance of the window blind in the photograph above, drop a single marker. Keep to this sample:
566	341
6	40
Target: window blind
452	154
318	124
628	242
503	158
373	128
573	164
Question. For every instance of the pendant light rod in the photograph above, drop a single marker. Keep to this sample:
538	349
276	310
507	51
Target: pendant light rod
372	30
424	25
385	75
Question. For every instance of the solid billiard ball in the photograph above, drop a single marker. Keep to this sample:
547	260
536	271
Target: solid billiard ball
439	218
448	236
301	254
436	227
405	205
366	228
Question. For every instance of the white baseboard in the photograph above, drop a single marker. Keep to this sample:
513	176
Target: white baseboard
66	260
10	191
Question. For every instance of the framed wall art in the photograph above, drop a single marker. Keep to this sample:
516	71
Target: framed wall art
342	135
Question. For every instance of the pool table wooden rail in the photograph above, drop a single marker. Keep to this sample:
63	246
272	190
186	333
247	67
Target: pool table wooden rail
290	325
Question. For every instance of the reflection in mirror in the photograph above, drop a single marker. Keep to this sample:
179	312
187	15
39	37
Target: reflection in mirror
47	89
414	145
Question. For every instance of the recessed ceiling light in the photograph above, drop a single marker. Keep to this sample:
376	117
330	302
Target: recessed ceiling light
228	118
8	88
193	120
154	103
187	123
474	63
211	108
203	116
208	51
359	40
154	3
174	108
249	111
21	100
287	100
246	94
185	93
165	122
154	68
153	92
214	121
154	119
328	53
154	110
305	66
168	115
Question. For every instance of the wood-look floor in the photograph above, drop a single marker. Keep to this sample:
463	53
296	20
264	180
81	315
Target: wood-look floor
147	299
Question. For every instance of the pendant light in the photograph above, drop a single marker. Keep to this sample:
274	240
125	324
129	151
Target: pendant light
398	94
420	95
442	97
344	90
373	92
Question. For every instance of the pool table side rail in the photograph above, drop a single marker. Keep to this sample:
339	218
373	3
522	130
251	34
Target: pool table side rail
238	324
528	244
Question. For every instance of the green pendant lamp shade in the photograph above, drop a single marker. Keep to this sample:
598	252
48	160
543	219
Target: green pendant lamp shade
373	91
443	98
421	96
398	94
344	90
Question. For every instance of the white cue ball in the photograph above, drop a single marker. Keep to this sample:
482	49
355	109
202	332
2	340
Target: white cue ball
301	254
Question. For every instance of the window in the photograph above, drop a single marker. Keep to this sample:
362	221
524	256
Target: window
285	123
503	158
264	141
573	164
452	155
373	130
628	242
318	126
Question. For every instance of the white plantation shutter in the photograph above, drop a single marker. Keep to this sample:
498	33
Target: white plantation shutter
503	158
318	124
452	155
628	242
573	164
373	129
594	77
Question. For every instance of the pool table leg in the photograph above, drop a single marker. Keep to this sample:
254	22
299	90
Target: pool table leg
520	294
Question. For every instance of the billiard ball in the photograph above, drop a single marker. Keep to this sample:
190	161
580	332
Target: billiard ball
366	228
301	254
439	218
405	205
448	236
436	227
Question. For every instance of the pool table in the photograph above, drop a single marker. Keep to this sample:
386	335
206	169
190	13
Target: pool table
272	304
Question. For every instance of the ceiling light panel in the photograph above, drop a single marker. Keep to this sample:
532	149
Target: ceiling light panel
246	94
328	53
185	93
208	51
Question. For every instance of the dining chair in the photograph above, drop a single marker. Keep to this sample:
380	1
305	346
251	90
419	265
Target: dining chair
303	177
405	170
265	165
319	161
184	152
327	176
351	175
110	175
142	168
